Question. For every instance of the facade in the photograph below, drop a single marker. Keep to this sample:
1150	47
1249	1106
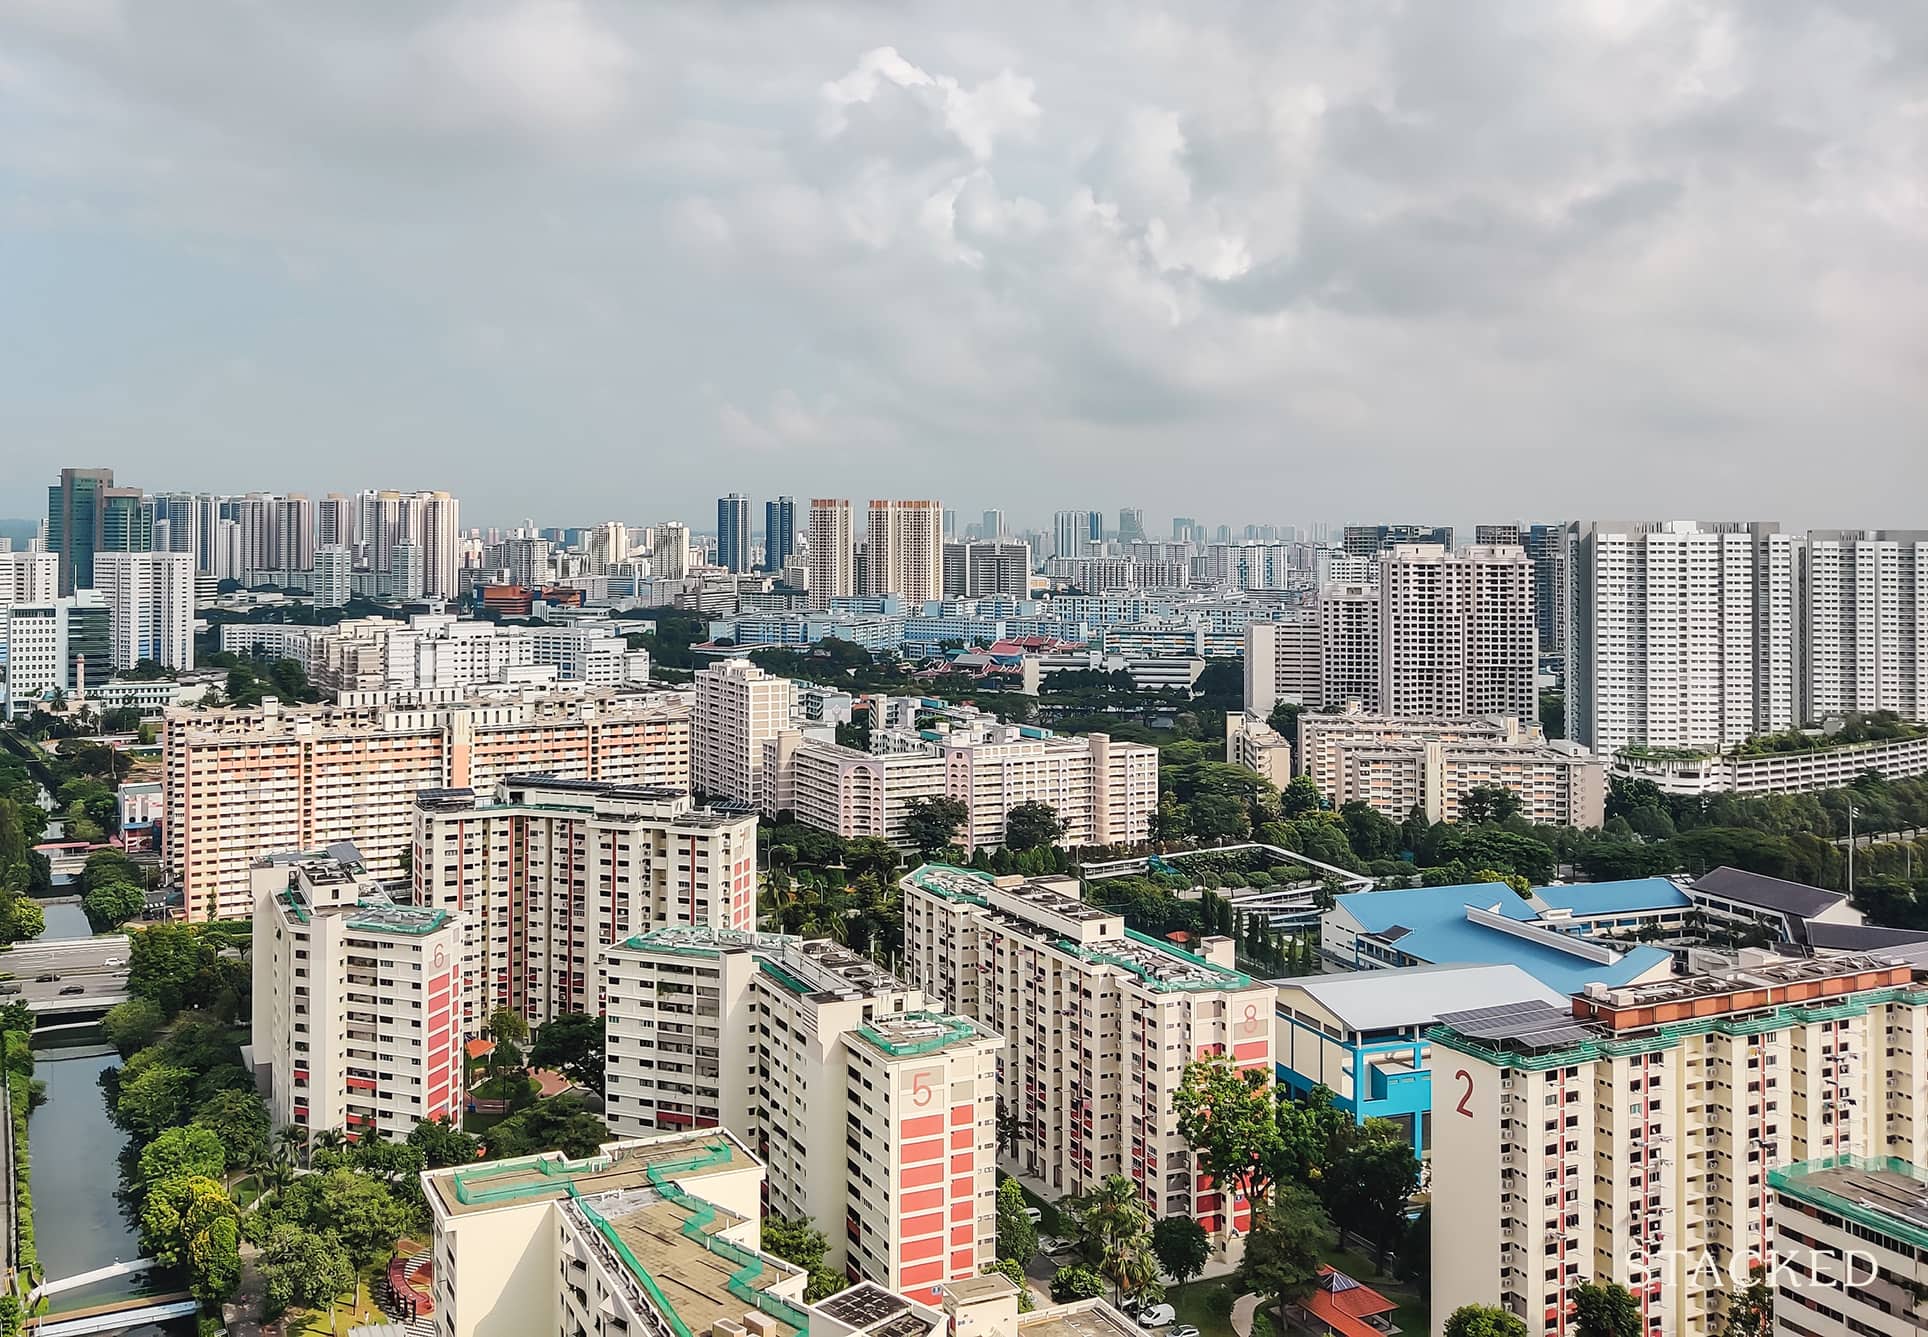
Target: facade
356	1010
1866	623
1104	791
150	607
1690	771
1258	747
905	547
544	872
1283	662
733	532
28	578
987	569
1456	632
738	706
801	1047
670	552
1098	1023
1371	540
1851	1241
851	793
831	552
76	515
244	779
1546	545
1630	1137
1396	765
1349	644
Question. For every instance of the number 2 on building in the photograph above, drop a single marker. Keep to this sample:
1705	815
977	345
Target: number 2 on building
1464	1076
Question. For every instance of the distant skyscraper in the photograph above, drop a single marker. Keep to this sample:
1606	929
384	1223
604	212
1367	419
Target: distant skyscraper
75	507
335	522
993	527
1095	528
906	550
1070	532
831	557
670	555
1546	545
150	609
1184	527
779	532
1487	535
1131	524
1371	540
733	532
950	525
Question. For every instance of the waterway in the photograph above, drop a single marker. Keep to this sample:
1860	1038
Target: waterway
65	920
78	1222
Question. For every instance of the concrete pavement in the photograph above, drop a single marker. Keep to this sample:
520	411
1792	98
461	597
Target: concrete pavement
1244	1310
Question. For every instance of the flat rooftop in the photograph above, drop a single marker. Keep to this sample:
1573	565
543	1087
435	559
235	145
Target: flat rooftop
1091	1318
810	967
906	1033
1776	975
703	1279
620	1166
1890	1197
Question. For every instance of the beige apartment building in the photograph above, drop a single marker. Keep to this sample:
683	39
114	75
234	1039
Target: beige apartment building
241	780
905	550
837	788
738	707
1851	1248
1258	747
875	1114
1630	1137
546	871
1457	631
357	1020
1099	1024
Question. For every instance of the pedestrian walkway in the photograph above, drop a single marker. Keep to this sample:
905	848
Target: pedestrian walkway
1244	1310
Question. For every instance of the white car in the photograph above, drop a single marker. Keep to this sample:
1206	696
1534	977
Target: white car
1034	1214
112	961
1157	1316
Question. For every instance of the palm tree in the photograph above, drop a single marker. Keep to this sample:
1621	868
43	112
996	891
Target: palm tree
1116	1230
329	1139
289	1141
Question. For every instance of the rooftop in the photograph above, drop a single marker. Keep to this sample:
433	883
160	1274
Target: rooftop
907	1033
670	1243
1380	1000
1768	893
1464	924
1598	898
813	967
620	1165
1086	1318
1890	1196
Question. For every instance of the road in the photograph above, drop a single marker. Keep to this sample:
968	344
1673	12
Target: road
78	961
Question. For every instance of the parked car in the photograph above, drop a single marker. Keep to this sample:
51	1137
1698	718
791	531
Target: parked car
74	988
1184	1330
1157	1316
9	989
1033	1215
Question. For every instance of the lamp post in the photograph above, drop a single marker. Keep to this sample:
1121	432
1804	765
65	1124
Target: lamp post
1852	814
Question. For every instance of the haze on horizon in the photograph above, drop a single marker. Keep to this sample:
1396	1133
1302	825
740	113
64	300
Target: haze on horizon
582	261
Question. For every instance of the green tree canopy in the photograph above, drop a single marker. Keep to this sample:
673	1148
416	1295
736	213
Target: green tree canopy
1017	1238
1608	1310
1483	1321
302	1268
1030	826
1076	1282
112	904
183	1152
443	1144
1182	1247
132	1025
571	1043
239	1121
1228	1116
1282	1254
931	823
562	1124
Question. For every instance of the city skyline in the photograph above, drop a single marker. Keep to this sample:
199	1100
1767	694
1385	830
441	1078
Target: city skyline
1478	260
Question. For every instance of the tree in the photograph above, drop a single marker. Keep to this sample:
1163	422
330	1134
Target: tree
1031	826
1483	1321
1309	1131
509	1032
1752	1313
1013	1271
22	919
107	868
190	1223
1017	1238
1300	796
112	904
239	1122
1182	1247
1115	1231
869	854
931	823
1075	1282
157	1098
571	1043
443	1144
563	1124
133	1025
1371	1177
1607	1310
796	1240
1282	1252
355	1210
164	964
1227	1115
303	1268
181	1153
1488	803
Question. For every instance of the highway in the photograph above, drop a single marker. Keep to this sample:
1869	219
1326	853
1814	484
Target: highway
79	962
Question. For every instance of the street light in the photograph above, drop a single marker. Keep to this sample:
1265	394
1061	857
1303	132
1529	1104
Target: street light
1853	813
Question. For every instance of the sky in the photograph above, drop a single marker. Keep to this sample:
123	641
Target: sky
1276	262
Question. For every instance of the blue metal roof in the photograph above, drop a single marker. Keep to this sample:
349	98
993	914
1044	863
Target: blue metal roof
1439	933
1598	898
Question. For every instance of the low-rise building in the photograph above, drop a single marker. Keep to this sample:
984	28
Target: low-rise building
804	1047
1629	1137
546	871
1691	772
1258	747
1851	1247
1099	1024
356	1008
851	793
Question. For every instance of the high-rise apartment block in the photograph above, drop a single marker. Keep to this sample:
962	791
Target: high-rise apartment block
1632	1138
28	578
1351	643
738	706
993	527
1283	662
1510	535
848	792
1866	623
150	608
733	532
1456	632
545	872
1547	546
356	1014
986	569
905	553
779	532
241	780
803	1047
1099	1024
670	553
1071	534
1371	540
831	554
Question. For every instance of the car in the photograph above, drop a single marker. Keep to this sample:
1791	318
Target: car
1051	1246
1034	1214
9	989
112	961
1157	1316
45	979
74	988
1184	1330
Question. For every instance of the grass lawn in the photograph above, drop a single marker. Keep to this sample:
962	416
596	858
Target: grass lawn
1414	1314
1194	1303
325	1323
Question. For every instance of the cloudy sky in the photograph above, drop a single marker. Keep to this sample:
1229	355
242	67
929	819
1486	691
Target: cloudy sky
1270	262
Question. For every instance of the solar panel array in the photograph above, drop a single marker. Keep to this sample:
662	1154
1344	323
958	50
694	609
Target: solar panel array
1532	1024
